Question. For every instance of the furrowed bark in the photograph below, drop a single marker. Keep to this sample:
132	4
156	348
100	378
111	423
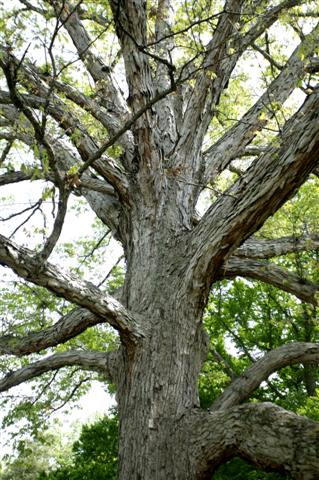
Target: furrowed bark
69	326
263	249
24	263
130	21
264	434
241	389
304	289
102	362
170	262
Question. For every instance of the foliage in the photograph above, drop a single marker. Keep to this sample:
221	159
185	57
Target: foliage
94	455
33	456
67	97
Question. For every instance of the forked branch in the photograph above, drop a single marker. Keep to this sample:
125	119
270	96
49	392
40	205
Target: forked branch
104	363
69	326
266	186
264	434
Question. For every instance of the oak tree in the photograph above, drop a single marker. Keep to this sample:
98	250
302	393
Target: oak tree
139	108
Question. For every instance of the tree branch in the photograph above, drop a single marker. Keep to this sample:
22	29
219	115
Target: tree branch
69	326
71	125
99	71
264	434
234	143
24	263
270	273
263	249
104	363
131	28
215	72
105	204
241	388
14	177
268	183
94	106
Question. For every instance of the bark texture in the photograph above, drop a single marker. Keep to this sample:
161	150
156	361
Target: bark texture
146	193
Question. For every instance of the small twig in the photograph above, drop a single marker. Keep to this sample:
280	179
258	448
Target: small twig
96	246
5	151
110	271
38	207
5	219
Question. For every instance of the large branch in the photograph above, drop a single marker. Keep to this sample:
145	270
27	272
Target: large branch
263	249
46	100
95	106
131	28
69	326
99	71
265	187
270	273
233	143
264	434
219	62
24	263
101	362
214	74
108	92
241	388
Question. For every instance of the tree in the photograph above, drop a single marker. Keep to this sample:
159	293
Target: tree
32	457
94	453
138	108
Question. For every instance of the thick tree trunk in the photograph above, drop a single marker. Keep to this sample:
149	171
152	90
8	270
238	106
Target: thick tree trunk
158	379
147	197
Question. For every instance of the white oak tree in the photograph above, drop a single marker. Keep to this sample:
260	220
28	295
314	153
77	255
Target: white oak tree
140	151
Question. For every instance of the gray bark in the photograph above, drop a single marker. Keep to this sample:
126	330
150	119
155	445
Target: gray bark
147	196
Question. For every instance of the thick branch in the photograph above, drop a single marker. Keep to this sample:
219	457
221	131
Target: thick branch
270	273
14	177
69	326
131	28
267	184
93	106
233	144
104	363
216	70
263	249
241	388
100	72
264	434
24	263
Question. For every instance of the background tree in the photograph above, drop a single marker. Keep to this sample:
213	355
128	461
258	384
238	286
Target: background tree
140	108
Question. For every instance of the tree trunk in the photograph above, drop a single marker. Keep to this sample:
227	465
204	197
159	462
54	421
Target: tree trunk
158	381
146	195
